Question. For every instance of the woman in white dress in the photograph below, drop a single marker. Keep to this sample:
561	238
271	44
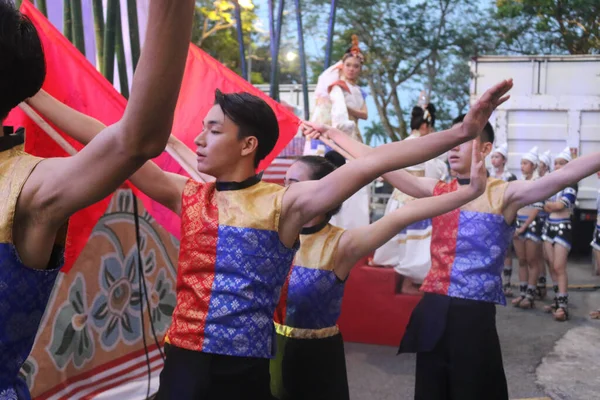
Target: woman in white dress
409	251
340	103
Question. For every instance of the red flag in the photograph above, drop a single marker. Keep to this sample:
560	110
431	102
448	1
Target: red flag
75	82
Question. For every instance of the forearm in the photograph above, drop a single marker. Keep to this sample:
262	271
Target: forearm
75	124
358	114
398	155
519	195
148	117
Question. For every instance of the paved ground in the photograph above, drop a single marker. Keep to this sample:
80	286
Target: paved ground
542	358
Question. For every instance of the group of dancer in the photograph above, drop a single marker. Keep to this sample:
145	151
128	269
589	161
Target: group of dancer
543	237
261	270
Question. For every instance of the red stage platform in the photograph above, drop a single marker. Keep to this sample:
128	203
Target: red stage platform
372	311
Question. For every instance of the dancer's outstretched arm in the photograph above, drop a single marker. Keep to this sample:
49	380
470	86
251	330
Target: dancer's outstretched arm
520	193
360	242
307	200
417	187
163	187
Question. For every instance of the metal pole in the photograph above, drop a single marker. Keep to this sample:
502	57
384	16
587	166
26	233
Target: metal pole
240	36
330	33
275	29
302	61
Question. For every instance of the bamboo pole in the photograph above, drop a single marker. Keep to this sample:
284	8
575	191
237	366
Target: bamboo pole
302	60
108	69
68	22
134	31
186	158
179	151
330	28
77	26
121	62
41	5
99	30
35	117
240	37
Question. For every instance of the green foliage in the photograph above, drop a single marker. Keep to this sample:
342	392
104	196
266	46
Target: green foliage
549	26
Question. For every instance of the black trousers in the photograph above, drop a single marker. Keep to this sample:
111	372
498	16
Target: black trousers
194	375
310	369
466	362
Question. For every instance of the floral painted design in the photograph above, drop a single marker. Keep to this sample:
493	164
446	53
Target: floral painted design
162	302
116	309
71	335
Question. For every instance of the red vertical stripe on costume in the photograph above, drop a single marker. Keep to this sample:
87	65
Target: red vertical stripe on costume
281	309
75	82
196	269
443	245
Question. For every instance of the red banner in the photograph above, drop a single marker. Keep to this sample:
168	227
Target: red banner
75	82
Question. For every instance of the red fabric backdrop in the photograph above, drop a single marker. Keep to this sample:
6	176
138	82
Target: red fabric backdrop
75	82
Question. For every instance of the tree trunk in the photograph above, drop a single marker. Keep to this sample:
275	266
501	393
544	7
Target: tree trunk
67	23
134	32
77	16
121	62
99	29
41	5
108	68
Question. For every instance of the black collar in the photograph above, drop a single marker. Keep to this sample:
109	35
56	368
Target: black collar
464	181
10	139
315	228
225	186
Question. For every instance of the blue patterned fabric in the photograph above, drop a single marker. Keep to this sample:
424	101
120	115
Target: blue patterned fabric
314	299
249	264
24	294
481	245
417	226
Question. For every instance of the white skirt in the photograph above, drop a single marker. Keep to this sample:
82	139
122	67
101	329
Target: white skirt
409	251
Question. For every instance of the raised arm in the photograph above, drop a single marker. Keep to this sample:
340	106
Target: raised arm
306	200
521	193
163	187
417	187
61	186
360	242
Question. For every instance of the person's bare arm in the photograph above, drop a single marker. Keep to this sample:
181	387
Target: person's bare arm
520	193
360	242
59	187
306	200
359	114
417	187
163	187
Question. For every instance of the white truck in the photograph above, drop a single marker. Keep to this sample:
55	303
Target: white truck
555	102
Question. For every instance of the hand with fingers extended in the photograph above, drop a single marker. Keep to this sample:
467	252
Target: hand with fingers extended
315	131
481	111
478	170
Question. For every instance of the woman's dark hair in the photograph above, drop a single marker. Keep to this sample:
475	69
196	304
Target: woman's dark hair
320	167
254	117
420	116
22	63
335	158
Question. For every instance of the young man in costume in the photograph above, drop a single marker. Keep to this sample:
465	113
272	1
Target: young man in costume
39	196
453	328
239	235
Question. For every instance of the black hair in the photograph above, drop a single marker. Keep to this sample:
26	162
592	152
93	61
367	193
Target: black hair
418	116
320	167
487	134
22	63
335	158
254	117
